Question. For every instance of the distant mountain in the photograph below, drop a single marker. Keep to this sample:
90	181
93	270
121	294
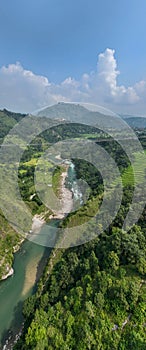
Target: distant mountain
68	111
71	112
77	113
136	122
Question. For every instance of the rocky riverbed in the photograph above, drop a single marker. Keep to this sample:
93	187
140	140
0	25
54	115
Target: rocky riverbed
66	198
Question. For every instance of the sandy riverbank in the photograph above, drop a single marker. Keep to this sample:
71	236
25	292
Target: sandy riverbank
10	273
31	274
37	222
66	199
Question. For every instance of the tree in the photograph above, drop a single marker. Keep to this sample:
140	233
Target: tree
112	261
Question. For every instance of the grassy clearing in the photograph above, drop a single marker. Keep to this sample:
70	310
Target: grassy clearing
56	179
128	175
22	171
43	171
31	162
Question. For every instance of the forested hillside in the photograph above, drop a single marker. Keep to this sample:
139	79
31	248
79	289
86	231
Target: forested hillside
9	239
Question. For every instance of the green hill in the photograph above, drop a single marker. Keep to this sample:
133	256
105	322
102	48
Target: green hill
8	120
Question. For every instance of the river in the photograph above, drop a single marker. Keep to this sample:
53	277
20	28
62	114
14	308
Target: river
28	265
72	184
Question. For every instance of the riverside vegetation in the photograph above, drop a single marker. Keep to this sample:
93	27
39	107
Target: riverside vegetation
91	296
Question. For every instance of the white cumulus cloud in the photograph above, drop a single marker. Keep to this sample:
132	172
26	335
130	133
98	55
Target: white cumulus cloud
22	90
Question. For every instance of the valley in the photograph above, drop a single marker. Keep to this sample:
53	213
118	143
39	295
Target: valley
89	287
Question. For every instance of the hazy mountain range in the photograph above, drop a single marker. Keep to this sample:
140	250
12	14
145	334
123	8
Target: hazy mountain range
70	111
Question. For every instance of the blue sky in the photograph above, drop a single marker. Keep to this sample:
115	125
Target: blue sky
58	39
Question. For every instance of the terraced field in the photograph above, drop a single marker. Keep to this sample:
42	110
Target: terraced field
128	176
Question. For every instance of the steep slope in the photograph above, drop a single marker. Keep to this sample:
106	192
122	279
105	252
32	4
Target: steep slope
9	239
